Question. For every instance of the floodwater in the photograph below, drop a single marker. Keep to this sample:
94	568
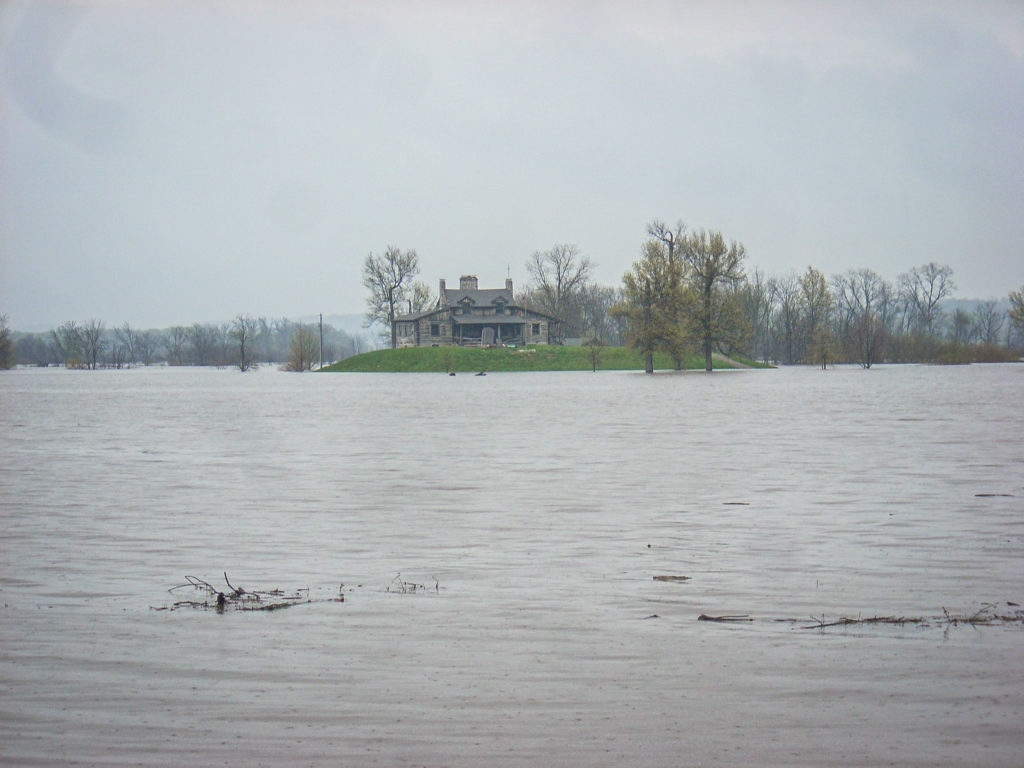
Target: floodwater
536	510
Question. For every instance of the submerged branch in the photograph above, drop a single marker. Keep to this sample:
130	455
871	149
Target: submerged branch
987	615
239	599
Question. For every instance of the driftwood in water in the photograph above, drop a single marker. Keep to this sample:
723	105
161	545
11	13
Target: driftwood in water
988	614
401	586
238	599
842	621
672	578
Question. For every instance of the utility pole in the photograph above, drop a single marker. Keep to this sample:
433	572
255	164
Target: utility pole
321	339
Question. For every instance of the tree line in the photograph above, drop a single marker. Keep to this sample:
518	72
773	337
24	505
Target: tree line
244	342
692	291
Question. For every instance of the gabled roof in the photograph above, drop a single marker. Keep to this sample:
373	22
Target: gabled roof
482	297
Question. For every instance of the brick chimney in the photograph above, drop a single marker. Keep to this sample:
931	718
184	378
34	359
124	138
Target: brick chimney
468	283
441	300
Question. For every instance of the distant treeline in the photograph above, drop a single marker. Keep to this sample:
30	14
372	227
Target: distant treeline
244	342
692	291
860	317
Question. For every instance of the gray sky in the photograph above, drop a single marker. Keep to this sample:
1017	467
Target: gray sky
167	162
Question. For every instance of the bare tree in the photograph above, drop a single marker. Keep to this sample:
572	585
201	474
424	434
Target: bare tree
243	331
867	334
988	322
923	288
960	331
303	349
175	342
864	302
558	276
756	301
66	339
35	348
93	343
6	345
595	304
669	236
203	340
421	297
225	343
786	298
594	346
125	342
388	278
145	346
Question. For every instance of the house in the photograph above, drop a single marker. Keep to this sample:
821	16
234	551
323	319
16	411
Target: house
471	316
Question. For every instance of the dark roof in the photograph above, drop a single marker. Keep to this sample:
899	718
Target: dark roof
484	297
481	299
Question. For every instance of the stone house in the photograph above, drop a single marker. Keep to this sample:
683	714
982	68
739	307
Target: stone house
474	316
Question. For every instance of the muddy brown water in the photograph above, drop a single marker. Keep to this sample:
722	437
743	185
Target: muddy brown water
536	510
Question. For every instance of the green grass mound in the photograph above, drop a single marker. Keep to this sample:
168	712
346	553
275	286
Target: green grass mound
475	359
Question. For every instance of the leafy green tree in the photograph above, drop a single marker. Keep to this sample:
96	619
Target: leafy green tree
715	269
1016	311
671	238
651	292
817	312
389	279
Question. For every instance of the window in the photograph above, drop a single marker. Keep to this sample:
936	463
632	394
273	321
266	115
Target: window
435	329
536	329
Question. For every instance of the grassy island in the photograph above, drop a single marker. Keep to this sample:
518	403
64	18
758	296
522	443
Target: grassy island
542	358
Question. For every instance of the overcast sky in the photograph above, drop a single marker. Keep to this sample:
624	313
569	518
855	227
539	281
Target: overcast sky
185	161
